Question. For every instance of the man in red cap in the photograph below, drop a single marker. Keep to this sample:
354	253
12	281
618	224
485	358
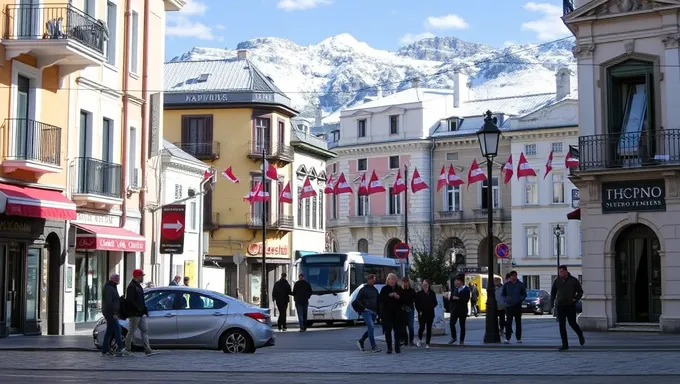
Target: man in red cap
137	312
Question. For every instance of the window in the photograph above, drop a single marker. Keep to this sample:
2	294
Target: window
452	156
532	281
453	125
334	207
282	133
134	43
263	134
321	209
362	246
562	243
452	201
394	162
557	187
335	136
300	208
207	207
394	124
111	16
198	301
362	206
257	208
314	209
178	191
361	128
107	140
132	158
92	271
307	221
530	190
362	164
557	147
89	8
159	300
197	135
531	234
496	193
530	149
334	168
192	215
394	203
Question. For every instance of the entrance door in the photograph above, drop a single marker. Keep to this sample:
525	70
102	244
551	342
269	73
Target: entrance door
15	284
638	276
22	133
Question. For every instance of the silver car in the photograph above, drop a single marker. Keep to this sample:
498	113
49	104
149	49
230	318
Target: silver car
184	317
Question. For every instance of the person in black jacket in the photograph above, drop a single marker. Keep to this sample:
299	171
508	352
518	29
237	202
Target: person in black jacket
302	291
460	297
366	304
281	295
408	298
111	311
426	302
391	313
137	312
565	293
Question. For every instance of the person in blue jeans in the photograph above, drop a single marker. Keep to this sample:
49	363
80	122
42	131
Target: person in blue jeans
111	310
366	304
408	298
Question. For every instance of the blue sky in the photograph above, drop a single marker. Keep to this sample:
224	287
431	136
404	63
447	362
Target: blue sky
383	24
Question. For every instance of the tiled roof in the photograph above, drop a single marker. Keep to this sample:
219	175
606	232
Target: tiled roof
175	151
411	95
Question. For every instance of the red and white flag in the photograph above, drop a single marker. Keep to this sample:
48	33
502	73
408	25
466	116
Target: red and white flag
417	183
229	175
475	174
399	185
453	179
523	167
571	161
363	186
259	194
507	170
443	180
307	189
208	174
251	193
286	196
375	186
270	171
548	165
342	186
329	186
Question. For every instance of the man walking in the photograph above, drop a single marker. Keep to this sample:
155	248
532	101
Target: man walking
474	298
111	312
176	280
281	295
500	304
302	291
565	293
366	305
514	293
460	297
137	312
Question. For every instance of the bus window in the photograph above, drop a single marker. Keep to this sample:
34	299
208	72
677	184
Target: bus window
353	284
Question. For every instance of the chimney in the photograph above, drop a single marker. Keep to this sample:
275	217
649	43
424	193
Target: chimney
242	54
563	83
319	116
415	83
379	92
461	90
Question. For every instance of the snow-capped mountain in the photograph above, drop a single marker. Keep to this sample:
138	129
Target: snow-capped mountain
341	71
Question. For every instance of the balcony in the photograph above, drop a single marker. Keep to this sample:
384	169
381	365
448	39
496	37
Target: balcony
55	34
567	6
448	216
34	147
202	151
280	222
376	220
276	151
481	214
617	151
96	182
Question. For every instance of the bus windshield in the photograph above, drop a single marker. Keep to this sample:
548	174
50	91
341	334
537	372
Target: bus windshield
326	277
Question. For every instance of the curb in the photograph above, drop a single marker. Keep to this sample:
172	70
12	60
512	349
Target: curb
48	349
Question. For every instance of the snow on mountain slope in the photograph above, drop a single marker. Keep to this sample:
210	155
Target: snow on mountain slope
341	71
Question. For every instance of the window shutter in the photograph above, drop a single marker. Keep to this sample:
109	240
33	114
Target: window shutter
207	209
185	129
209	129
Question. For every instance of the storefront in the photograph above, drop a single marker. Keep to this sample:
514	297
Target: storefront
278	261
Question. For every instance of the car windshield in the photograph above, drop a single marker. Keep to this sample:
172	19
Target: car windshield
532	293
325	278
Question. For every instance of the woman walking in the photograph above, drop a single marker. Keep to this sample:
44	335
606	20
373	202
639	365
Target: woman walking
426	302
391	312
408	298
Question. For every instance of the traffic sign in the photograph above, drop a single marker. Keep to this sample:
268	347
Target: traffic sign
172	229
402	250
502	251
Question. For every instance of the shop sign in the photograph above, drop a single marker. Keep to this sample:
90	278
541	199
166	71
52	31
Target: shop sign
634	196
272	250
104	243
93	218
15	226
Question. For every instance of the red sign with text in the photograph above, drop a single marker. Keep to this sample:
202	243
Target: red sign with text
104	243
272	250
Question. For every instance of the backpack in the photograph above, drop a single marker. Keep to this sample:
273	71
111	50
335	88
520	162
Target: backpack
356	306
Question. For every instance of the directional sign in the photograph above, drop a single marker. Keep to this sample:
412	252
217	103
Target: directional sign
172	229
402	250
502	251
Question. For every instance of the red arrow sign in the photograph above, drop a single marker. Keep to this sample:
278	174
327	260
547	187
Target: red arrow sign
172	223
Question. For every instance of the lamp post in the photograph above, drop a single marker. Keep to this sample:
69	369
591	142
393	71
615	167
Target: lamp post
559	232
489	136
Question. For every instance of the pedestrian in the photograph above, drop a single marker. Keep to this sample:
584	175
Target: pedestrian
565	293
281	295
111	307
137	312
186	281
460	297
302	291
426	302
500	304
474	298
366	304
408	298
514	293
176	280
391	313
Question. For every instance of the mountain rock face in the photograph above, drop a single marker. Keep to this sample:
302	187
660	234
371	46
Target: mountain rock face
341	71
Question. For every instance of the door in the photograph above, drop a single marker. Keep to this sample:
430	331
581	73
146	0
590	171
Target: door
199	319
262	135
22	125
162	320
27	19
15	283
282	134
638	276
104	170
85	143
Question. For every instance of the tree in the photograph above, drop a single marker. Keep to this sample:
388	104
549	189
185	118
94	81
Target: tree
430	265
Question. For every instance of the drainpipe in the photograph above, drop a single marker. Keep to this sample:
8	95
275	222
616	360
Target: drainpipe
432	173
145	123
126	99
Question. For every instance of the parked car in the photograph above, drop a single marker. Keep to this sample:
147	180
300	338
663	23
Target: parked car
184	317
537	302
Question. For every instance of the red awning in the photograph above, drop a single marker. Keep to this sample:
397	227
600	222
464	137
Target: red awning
109	239
35	202
574	215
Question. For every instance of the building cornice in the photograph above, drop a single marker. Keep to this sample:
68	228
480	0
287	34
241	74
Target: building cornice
94	86
546	133
381	148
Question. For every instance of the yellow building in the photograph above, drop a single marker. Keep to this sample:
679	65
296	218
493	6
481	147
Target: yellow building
228	113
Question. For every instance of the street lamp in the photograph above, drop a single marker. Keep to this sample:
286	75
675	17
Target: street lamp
489	136
559	232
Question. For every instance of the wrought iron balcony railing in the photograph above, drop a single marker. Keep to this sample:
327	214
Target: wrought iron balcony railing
96	177
202	151
270	150
34	141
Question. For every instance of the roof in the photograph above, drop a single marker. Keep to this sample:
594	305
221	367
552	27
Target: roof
176	152
407	96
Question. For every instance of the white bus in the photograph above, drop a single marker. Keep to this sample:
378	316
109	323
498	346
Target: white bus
335	278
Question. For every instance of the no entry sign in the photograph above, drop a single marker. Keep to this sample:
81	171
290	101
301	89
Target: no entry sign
402	250
172	229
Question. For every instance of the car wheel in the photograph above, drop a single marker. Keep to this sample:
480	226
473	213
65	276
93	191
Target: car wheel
236	341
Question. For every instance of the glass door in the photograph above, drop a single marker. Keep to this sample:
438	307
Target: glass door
15	283
22	126
32	297
26	17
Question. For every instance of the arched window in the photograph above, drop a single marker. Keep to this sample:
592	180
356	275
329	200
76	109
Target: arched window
362	245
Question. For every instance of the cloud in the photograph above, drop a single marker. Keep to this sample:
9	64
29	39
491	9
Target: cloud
299	5
219	27
194	7
446	22
411	38
549	26
183	24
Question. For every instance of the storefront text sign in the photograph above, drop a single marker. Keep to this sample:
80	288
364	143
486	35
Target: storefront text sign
104	243
634	196
272	250
93	218
14	226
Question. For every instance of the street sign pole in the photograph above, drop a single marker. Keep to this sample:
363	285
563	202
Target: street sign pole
170	268
406	204
264	301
